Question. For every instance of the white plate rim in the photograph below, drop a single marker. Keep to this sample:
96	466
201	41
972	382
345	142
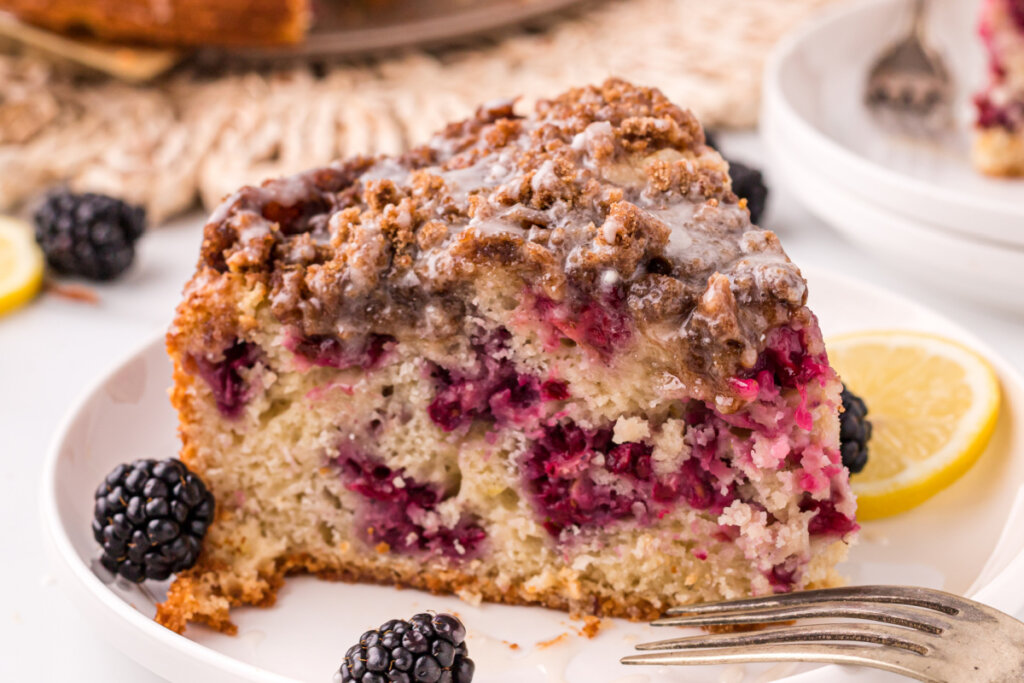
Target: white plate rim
845	165
141	632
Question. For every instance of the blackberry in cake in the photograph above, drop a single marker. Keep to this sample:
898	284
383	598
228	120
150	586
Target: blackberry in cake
542	360
999	140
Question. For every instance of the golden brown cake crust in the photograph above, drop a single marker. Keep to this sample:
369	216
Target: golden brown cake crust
198	595
172	22
206	595
606	190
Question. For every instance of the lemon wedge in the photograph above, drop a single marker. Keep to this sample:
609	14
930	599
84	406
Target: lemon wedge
932	403
21	264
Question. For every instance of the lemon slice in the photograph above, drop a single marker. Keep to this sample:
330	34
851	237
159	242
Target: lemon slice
21	264
933	405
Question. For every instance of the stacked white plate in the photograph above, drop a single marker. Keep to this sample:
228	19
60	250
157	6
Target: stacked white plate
918	204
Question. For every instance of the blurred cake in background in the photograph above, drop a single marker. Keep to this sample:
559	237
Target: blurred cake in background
999	144
171	22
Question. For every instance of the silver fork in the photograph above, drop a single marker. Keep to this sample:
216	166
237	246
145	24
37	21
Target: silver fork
923	633
909	86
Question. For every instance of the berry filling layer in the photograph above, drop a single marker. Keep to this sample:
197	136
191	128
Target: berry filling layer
225	377
602	325
992	115
402	513
786	360
366	352
491	390
579	478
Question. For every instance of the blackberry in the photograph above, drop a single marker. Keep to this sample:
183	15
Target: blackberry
424	649
150	517
854	431
90	235
747	182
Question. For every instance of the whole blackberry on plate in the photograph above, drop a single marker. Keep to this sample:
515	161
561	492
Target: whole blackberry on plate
90	235
424	649
150	517
854	431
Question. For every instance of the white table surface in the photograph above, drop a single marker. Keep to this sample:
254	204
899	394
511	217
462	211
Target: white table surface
53	349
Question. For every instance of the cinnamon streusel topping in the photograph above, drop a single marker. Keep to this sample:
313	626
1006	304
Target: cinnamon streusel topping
606	194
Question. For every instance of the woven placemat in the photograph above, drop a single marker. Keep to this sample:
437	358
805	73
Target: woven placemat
192	137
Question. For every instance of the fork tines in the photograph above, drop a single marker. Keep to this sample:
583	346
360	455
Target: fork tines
905	638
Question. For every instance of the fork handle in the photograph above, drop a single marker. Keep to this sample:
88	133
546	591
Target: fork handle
920	14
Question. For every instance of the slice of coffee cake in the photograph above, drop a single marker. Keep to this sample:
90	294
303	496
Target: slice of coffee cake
999	139
541	360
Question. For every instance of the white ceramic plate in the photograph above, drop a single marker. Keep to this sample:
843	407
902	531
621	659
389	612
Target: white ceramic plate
955	541
981	270
813	94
